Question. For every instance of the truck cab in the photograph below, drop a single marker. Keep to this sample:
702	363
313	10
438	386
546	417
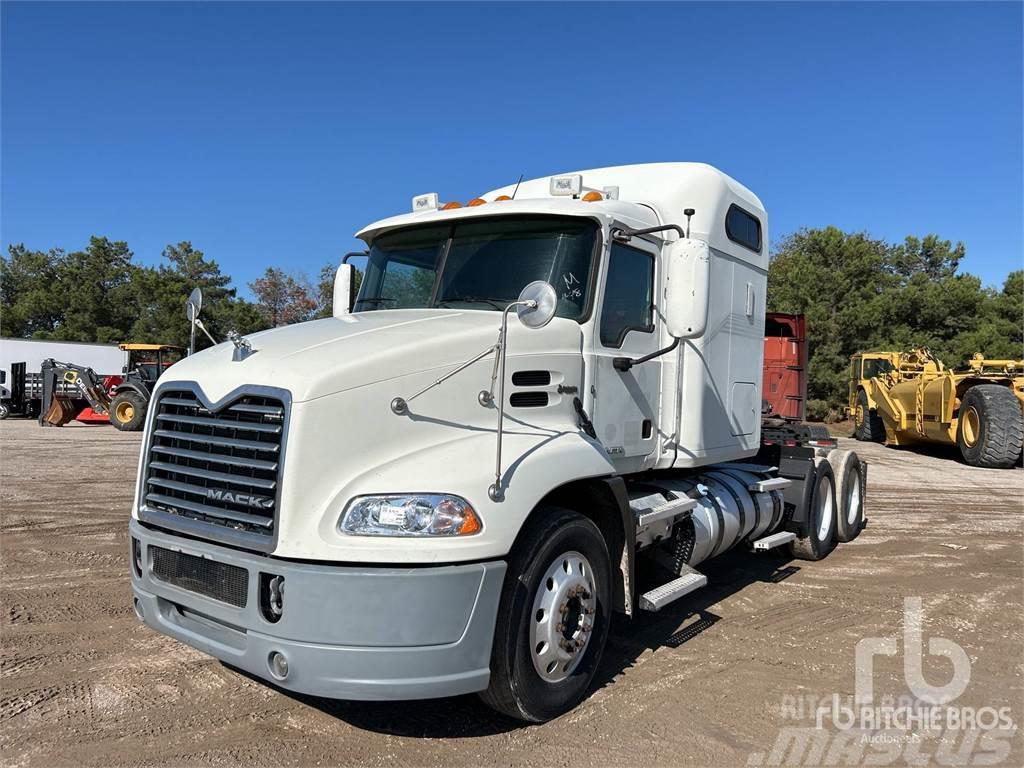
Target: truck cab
447	486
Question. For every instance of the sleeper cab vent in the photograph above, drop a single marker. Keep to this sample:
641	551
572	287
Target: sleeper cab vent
531	378
528	399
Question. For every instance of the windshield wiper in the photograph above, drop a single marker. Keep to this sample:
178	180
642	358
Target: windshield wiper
374	299
496	303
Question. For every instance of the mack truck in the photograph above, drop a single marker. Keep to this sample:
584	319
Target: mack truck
539	409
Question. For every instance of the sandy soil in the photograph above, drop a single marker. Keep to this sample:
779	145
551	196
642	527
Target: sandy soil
710	681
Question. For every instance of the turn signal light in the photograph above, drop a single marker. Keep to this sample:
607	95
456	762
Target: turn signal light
471	523
475	202
592	197
451	206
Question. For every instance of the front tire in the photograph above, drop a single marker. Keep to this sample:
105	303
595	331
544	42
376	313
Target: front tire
553	618
867	424
128	411
990	427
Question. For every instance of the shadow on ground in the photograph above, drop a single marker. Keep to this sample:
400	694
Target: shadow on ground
675	625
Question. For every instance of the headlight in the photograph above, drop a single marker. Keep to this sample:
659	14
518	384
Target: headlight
421	514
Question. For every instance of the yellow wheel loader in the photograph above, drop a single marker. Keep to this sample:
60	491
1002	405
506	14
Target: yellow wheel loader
911	397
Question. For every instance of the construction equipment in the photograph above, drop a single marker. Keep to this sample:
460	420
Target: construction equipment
68	388
865	366
21	361
911	397
130	398
65	386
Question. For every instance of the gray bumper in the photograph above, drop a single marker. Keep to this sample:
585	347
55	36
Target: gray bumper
347	632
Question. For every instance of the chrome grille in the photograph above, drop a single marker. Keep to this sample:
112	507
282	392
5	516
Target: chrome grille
215	473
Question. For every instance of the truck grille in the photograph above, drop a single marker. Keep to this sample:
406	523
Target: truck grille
227	583
216	468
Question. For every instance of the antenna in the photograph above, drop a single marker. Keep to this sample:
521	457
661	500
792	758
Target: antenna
517	186
688	213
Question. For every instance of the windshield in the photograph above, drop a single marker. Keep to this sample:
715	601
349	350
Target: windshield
480	264
876	367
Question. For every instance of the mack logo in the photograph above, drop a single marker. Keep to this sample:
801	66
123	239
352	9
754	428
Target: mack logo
246	499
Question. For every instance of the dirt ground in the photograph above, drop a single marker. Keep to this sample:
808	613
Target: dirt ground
712	680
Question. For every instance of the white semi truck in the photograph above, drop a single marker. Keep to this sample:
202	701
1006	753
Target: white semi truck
448	487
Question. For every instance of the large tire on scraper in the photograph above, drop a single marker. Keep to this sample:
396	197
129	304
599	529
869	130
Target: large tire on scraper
990	429
868	426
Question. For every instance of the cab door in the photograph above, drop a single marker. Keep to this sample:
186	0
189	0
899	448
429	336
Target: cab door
626	402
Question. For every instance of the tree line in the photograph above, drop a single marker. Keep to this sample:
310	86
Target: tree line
101	294
859	293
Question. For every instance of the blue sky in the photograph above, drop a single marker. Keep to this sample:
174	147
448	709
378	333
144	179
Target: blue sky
268	133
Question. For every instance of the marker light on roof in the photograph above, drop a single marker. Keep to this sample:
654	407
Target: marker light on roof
499	198
593	197
566	185
427	202
451	206
475	202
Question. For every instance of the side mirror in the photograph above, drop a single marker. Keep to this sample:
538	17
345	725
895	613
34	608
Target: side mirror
344	290
192	307
346	283
537	304
194	304
688	280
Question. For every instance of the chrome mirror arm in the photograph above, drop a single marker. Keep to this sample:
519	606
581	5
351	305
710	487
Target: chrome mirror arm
200	326
496	492
400	405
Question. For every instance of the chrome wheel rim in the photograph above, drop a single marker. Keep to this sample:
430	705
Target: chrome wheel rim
853	500
562	622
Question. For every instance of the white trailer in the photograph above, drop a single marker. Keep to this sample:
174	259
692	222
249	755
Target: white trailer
104	359
448	486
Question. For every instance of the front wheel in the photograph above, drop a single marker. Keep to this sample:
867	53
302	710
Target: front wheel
553	620
867	423
128	411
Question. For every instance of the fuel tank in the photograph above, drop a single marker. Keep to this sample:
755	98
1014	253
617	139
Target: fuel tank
729	509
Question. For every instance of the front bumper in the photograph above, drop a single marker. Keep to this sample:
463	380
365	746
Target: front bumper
348	632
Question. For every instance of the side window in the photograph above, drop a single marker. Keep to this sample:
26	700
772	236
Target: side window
743	228
627	295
